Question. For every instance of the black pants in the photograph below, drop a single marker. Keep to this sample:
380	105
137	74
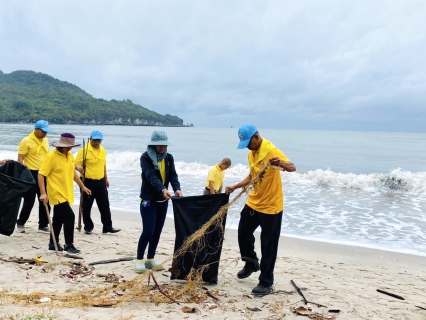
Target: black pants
269	237
207	191
63	215
100	194
29	200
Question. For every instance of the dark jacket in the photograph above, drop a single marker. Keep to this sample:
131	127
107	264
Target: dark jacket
152	185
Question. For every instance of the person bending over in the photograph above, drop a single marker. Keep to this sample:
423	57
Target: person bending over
214	181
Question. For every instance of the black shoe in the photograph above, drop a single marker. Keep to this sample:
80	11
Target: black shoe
69	248
52	248
248	270
212	281
87	231
110	230
260	290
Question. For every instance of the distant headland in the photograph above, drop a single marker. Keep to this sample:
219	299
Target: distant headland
27	96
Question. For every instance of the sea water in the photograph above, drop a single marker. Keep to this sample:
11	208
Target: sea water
357	188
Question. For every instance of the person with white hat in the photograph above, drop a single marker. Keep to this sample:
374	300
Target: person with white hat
96	180
58	168
158	171
31	152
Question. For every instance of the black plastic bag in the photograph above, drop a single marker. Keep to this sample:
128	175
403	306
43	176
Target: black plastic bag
15	180
190	213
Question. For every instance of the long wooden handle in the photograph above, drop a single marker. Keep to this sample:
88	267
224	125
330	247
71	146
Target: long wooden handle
51	230
80	211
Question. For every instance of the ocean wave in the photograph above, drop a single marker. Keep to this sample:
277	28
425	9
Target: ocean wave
396	180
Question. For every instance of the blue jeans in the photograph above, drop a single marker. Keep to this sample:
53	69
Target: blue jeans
153	218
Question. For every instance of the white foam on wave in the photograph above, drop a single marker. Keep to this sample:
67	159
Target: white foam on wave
6	154
397	179
358	244
123	160
129	160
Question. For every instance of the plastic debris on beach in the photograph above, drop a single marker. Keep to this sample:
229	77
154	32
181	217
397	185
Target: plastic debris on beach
78	269
190	310
22	260
303	311
144	287
110	277
45	299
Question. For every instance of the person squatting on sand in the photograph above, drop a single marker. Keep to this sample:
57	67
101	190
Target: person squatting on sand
31	152
158	170
215	177
96	180
264	207
58	168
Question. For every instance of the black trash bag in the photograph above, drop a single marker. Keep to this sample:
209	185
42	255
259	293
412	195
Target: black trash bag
15	180
190	213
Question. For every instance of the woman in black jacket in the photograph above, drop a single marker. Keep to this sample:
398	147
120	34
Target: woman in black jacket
158	170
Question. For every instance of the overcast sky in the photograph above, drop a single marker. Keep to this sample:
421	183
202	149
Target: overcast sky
355	65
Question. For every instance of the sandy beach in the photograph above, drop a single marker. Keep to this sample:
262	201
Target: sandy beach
339	277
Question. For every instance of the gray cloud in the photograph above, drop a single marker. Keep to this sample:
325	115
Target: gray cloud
304	64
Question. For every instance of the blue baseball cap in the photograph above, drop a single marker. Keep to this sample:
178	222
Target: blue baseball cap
245	133
97	135
43	125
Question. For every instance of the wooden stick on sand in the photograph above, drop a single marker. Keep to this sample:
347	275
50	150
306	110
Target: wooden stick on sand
51	230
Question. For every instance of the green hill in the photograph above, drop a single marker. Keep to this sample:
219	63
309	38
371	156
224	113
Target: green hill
27	96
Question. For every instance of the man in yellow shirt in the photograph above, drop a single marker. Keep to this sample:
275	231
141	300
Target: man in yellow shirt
58	169
31	152
264	207
215	177
96	180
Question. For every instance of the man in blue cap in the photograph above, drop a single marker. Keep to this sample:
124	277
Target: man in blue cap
264	207
96	180
31	152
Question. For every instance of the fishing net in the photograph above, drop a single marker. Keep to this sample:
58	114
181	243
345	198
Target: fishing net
145	287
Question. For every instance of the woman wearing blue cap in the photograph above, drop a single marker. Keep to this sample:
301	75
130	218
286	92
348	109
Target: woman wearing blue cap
158	170
96	180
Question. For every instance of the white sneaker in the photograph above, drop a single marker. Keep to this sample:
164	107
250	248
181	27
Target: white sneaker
44	230
140	266
20	228
151	264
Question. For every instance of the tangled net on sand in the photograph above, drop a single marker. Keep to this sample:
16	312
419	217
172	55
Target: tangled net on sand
141	288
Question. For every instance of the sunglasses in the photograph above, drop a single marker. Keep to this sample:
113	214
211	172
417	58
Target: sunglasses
97	140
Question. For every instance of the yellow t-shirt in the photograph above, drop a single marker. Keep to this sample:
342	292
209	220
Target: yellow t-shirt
34	150
216	174
59	172
95	161
162	167
268	195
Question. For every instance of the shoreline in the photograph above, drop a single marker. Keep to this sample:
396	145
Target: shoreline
307	247
337	276
302	238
